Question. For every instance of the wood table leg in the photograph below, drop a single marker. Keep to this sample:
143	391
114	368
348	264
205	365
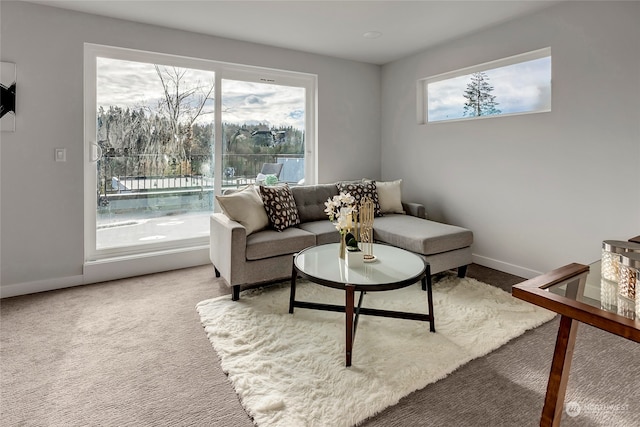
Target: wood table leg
559	375
350	293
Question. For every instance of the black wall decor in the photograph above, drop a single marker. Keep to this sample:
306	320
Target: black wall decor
7	96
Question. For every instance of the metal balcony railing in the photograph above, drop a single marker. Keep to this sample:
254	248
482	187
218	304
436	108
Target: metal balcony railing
132	180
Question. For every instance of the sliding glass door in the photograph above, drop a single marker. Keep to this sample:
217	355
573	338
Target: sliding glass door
165	134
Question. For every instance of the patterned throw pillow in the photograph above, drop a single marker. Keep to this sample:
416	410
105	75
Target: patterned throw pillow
280	206
360	190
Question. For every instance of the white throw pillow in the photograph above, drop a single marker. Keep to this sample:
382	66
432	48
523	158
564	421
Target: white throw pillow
246	207
390	196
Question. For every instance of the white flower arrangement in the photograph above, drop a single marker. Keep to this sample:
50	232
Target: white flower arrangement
340	209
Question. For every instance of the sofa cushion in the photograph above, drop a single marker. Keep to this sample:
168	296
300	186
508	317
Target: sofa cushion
310	200
270	243
420	235
245	206
360	190
280	206
390	196
324	231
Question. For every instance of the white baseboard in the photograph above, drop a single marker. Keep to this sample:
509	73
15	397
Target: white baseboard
25	288
113	269
138	265
505	267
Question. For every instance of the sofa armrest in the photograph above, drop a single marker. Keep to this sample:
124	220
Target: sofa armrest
415	209
228	247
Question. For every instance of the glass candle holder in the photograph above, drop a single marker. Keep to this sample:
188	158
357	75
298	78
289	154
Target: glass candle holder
611	252
608	294
629	272
626	308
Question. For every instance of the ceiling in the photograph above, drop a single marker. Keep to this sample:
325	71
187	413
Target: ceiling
333	28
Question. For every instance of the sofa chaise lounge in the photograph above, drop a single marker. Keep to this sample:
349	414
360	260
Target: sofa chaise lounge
248	250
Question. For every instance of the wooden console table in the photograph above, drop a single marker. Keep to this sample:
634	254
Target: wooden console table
574	292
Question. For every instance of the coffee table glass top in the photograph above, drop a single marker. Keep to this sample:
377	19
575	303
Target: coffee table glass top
600	293
392	265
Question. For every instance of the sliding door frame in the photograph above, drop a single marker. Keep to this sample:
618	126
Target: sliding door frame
222	71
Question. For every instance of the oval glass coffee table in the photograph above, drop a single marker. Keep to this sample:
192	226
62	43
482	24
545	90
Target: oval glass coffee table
393	268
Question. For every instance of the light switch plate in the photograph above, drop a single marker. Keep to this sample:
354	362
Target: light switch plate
61	154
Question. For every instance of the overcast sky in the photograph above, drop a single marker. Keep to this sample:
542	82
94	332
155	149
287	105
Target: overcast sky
135	84
523	87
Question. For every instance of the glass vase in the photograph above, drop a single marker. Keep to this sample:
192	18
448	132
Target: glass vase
343	244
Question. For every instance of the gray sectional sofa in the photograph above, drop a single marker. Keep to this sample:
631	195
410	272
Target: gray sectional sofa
245	255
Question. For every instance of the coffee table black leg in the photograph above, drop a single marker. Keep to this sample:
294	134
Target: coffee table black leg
428	276
350	291
292	296
427	284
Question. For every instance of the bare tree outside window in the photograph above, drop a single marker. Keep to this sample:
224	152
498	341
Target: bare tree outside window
480	101
182	103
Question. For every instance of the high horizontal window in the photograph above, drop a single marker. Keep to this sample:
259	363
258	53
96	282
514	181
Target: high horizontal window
516	85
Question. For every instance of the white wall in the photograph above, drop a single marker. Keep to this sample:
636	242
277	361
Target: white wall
42	201
538	190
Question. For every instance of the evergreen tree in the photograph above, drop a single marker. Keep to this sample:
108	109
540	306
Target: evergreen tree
480	102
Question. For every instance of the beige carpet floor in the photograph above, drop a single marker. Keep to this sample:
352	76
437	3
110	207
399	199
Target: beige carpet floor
132	352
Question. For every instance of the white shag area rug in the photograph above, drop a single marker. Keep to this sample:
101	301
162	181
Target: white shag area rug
289	369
